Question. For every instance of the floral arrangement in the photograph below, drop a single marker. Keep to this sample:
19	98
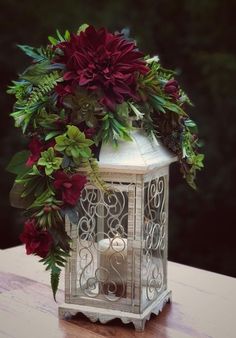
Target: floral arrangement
81	90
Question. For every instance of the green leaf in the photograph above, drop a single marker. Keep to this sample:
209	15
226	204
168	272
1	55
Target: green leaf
48	171
86	152
191	125
35	72
138	114
52	134
74	144
17	163
157	103
53	41
60	140
54	261
113	129
161	104
159	99
175	108
75	152
42	161
60	37
82	28
67	35
16	199
122	110
37	54
73	132
49	161
55	276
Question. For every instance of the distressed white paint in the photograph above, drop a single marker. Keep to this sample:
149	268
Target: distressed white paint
138	156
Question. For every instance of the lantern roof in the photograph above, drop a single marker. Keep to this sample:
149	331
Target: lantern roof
139	156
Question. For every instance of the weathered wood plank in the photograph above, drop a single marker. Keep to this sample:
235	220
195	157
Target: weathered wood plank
203	305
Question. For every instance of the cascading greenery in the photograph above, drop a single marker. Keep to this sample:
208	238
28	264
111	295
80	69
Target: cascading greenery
67	114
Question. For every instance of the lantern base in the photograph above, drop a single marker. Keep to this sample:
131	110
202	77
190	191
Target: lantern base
66	311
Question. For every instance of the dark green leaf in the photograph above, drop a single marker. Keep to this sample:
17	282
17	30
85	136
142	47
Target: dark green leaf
37	54
55	276
191	125
17	164
35	72
52	134
16	199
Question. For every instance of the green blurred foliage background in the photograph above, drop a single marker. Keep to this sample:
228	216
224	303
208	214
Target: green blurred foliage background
194	37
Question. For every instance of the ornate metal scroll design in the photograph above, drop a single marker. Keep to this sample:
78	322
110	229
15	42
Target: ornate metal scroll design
102	216
155	218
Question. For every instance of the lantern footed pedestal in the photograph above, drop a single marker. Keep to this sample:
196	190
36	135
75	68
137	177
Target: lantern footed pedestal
66	311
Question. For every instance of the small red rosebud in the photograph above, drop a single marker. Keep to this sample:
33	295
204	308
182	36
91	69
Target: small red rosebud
172	89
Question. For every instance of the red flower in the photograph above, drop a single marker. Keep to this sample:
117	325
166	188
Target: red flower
36	241
36	147
101	61
70	187
172	88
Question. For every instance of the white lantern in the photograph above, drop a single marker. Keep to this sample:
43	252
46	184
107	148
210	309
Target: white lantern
118	266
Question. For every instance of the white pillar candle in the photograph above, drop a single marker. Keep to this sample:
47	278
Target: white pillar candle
112	264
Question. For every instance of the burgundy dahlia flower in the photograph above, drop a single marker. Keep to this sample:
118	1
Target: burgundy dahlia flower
101	61
36	241
69	187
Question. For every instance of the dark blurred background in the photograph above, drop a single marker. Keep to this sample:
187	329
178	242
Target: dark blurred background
194	37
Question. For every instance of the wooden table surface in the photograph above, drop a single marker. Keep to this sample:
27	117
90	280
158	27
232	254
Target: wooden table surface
204	305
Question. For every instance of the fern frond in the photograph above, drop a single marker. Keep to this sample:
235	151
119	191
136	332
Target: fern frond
55	277
46	85
20	89
55	260
27	107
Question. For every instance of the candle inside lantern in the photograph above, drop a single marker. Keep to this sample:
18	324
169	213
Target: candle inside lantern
112	265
